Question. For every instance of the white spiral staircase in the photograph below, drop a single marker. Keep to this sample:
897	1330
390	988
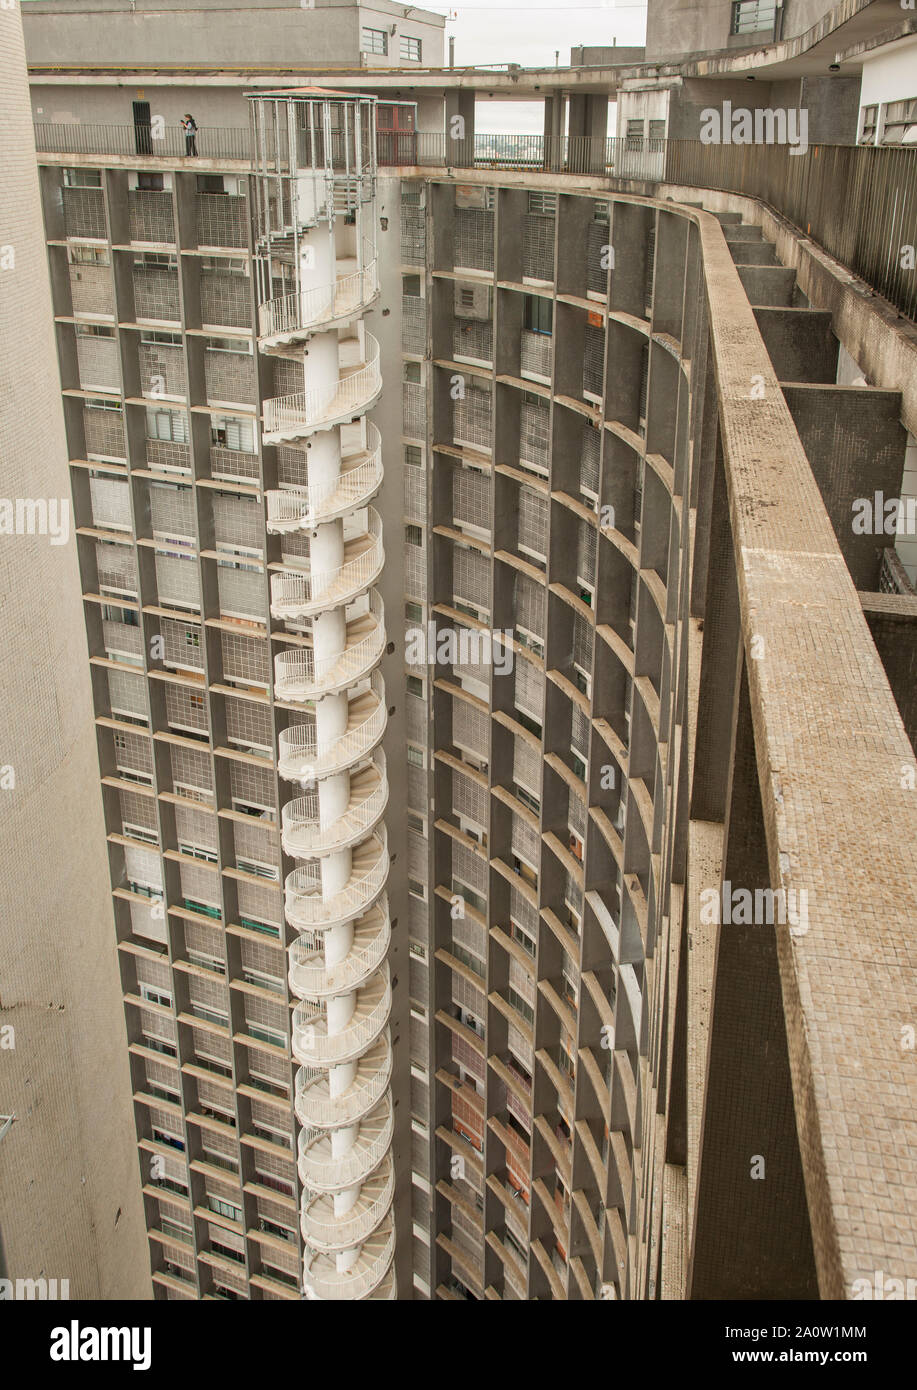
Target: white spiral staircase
317	232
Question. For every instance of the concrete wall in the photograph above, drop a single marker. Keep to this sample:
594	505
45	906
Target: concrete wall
214	31
677	27
70	1203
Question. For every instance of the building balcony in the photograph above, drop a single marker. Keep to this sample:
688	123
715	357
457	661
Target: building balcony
303	508
321	1170
292	317
316	1108
301	414
311	978
297	595
301	757
323	1280
304	905
299	676
303	834
314	1046
326	1233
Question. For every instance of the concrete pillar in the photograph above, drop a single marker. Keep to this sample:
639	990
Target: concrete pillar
555	111
588	130
459	116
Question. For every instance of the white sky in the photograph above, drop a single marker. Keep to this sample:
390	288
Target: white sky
535	34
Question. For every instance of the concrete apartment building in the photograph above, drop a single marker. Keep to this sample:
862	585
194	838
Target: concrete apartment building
472	599
70	1209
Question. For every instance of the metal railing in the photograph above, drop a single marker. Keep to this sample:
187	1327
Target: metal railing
310	976
303	835
301	755
303	310
322	1280
316	1108
291	509
153	141
324	1231
304	905
300	595
323	1171
300	676
859	202
306	410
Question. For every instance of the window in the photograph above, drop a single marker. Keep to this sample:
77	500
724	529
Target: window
539	314
657	135
545	204
410	284
750	16
413	455
82	178
870	121
415	686
210	183
374	41
900	123
415	756
413	535
230	433
413	612
416	822
634	135
412	372
167	424
150	183
224	1208
410	49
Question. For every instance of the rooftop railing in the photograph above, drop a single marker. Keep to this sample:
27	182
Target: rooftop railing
859	202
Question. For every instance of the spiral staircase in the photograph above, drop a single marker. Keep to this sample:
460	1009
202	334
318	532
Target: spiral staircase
317	277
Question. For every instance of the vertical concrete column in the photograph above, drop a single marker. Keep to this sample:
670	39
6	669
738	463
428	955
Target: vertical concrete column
459	116
588	130
555	111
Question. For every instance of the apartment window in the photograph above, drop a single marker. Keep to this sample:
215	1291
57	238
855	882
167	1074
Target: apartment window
544	204
374	41
87	255
539	314
170	425
416	757
416	822
750	16
413	612
870	121
210	183
224	1208
410	285
900	122
230	433
416	888
416	686
82	178
413	455
410	49
634	134
520	1005
150	183
413	535
412	373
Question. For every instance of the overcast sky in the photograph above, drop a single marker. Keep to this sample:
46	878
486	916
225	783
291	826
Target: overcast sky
530	31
